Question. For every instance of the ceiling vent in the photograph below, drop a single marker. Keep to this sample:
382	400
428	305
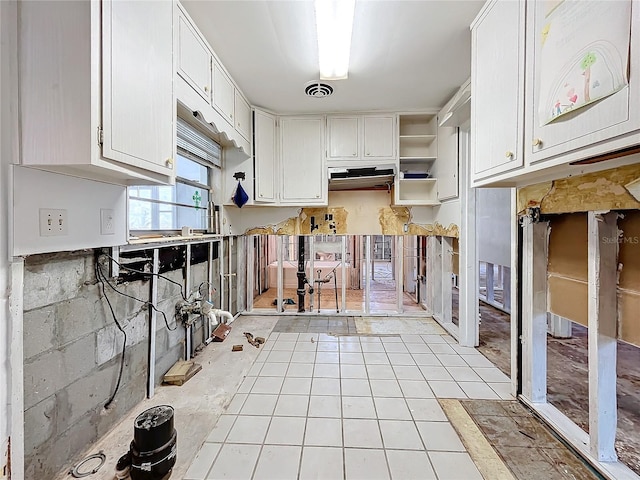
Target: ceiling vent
318	90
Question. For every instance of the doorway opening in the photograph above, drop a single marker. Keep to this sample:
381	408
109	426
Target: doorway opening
342	274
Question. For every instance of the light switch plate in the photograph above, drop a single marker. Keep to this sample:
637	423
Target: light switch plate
53	222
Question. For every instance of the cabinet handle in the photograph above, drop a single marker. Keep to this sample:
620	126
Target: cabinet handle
206	88
509	154
317	196
537	142
169	163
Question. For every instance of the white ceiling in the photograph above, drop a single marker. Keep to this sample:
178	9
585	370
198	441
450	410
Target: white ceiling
405	55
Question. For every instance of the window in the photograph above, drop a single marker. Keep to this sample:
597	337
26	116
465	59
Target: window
188	203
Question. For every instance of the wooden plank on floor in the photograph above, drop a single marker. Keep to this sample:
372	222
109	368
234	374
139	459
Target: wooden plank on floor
479	449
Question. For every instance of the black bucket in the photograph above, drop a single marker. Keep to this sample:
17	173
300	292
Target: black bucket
153	449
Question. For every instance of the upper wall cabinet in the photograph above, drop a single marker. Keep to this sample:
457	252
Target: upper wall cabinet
379	136
203	85
344	138
194	59
265	157
497	85
302	166
120	129
577	98
583	99
223	93
242	112
361	137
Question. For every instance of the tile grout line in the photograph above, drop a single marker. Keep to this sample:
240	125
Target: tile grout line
414	420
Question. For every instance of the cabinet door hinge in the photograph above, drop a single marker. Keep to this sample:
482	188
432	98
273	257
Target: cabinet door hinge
100	136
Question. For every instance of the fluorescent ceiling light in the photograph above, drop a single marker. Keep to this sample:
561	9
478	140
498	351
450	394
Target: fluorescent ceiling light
334	22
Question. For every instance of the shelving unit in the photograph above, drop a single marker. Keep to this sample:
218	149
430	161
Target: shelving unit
417	191
417	149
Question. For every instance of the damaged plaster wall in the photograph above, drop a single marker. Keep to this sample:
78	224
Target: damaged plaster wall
72	351
606	190
350	212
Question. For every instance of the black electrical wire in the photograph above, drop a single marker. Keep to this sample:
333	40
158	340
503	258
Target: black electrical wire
101	278
148	273
148	304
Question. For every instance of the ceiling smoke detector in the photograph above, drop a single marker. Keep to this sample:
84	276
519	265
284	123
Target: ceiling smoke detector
318	90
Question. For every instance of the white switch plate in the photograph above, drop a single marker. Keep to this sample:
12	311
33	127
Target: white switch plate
107	222
53	222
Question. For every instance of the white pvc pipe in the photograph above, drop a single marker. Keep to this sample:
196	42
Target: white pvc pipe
223	313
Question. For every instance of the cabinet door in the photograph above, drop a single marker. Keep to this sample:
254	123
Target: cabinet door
264	151
243	116
445	167
194	59
304	179
343	137
497	84
137	80
562	82
379	137
223	93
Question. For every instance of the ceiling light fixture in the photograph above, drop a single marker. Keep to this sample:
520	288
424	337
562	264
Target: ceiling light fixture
334	23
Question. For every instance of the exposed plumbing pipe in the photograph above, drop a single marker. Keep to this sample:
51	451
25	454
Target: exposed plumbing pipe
223	313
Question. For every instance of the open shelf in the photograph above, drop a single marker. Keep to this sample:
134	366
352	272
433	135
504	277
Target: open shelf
417	191
417	150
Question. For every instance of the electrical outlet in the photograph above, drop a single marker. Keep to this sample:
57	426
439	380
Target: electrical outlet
53	222
107	222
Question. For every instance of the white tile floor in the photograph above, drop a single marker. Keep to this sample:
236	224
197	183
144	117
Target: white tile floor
316	406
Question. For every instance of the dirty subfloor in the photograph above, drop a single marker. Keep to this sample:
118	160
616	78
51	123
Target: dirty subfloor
568	382
345	383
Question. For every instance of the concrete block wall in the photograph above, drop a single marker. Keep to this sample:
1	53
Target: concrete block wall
72	351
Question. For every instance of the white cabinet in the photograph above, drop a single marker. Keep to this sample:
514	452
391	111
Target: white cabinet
417	153
445	167
223	93
343	138
265	157
303	178
379	137
361	137
497	86
193	58
96	89
243	116
537	122
608	124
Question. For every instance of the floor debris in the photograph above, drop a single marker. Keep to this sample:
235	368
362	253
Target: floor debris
181	372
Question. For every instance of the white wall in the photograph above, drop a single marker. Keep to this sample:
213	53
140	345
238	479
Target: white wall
7	153
83	199
493	223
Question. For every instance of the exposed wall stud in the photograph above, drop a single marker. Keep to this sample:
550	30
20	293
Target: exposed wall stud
490	283
398	254
343	256
534	309
559	327
446	279
603	412
151	379
468	282
368	266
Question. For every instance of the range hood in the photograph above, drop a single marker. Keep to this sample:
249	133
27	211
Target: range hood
379	177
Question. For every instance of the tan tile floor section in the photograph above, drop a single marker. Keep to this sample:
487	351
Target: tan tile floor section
315	406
